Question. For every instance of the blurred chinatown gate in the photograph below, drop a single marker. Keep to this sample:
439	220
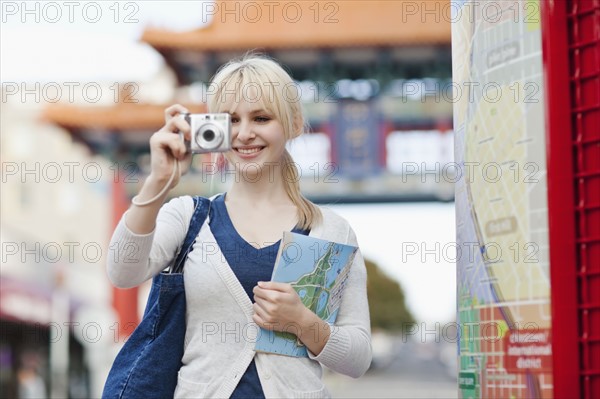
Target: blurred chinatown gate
374	79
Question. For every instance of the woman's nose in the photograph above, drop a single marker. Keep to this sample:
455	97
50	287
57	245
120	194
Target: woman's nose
245	132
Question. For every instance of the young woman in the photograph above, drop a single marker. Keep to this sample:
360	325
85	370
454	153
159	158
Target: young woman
227	275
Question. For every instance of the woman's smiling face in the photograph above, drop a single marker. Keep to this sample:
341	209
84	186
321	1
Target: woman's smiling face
257	136
263	102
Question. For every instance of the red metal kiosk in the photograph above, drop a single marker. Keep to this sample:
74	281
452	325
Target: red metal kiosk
571	40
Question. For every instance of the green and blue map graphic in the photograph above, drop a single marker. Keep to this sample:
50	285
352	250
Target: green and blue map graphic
318	270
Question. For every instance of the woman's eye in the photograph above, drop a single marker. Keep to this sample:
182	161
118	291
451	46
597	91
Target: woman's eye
262	119
235	120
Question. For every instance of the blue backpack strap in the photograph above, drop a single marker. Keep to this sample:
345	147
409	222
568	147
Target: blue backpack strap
201	209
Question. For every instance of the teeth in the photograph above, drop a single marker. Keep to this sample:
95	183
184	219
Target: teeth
249	150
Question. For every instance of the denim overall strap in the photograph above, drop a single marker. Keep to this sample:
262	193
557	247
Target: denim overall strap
147	365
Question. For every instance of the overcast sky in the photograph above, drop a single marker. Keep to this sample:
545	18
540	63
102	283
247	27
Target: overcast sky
87	40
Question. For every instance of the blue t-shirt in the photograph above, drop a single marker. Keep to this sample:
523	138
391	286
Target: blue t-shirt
250	266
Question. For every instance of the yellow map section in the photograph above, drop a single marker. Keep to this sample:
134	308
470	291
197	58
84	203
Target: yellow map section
499	185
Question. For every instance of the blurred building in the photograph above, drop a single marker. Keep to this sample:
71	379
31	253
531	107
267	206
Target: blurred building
55	205
375	81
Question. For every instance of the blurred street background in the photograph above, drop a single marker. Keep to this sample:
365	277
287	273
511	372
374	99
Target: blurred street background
84	85
410	370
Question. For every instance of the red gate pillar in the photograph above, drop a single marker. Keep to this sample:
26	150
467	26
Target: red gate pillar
125	301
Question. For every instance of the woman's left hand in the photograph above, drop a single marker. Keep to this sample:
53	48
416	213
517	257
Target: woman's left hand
278	307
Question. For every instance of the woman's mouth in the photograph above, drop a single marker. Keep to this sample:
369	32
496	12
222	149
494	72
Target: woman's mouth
248	151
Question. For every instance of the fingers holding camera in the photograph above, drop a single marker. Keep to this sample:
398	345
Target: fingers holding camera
175	123
172	111
166	145
179	125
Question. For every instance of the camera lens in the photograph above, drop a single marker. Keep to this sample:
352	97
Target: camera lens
208	135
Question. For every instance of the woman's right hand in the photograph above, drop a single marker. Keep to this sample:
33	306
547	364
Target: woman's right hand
166	149
166	146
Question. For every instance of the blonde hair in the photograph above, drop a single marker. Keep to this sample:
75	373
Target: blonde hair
276	92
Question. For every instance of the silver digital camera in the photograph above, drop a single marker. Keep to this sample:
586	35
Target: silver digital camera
210	133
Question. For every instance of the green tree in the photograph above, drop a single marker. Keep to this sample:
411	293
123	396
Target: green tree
386	300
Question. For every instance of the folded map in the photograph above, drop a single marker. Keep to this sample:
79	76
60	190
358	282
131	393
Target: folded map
318	270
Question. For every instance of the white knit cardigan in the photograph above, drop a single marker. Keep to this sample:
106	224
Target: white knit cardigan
220	332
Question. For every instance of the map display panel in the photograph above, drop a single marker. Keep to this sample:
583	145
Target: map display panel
501	200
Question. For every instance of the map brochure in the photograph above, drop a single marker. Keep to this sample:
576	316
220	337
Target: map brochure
318	270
